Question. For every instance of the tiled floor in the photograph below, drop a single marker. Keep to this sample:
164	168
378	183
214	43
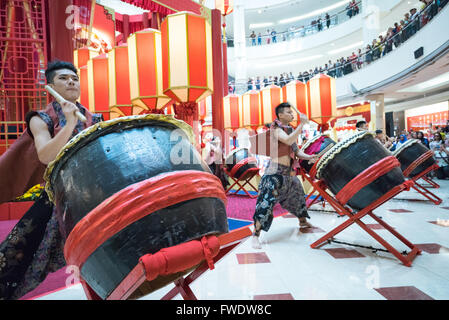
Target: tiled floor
288	268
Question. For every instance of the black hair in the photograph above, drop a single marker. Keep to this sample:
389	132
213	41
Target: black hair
378	131
360	124
280	108
58	65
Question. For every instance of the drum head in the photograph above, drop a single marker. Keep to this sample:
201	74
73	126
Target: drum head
106	127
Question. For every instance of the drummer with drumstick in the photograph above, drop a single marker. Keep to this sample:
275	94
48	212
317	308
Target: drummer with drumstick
280	183
34	247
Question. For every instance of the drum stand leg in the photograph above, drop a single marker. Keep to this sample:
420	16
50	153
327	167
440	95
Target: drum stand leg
422	189
432	183
356	218
242	186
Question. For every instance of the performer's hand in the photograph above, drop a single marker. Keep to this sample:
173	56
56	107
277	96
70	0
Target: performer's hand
303	119
69	109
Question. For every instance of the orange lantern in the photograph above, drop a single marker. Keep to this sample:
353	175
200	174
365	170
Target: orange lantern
187	52
225	6
322	100
295	93
231	112
250	109
82	55
84	88
145	71
98	82
270	98
119	91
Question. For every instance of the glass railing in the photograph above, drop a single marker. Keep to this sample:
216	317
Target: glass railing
375	51
294	32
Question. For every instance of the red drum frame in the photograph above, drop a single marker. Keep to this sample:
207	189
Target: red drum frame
245	177
339	205
422	175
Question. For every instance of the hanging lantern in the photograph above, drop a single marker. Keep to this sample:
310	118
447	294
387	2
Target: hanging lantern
84	87
82	55
231	112
204	108
98	83
250	109
270	97
187	63
145	72
295	93
225	6
322	100
119	91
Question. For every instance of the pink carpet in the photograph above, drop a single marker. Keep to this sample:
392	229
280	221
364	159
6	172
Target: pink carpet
242	207
238	207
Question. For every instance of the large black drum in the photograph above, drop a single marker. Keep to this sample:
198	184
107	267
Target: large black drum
239	162
415	157
128	187
318	145
359	156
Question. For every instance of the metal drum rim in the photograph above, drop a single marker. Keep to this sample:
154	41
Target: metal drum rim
322	163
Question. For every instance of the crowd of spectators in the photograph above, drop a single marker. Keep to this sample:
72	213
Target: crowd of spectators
436	139
401	31
317	25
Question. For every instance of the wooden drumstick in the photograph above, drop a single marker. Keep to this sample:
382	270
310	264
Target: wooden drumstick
60	100
297	111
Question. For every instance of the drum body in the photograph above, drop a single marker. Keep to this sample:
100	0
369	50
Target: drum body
349	158
409	152
113	156
316	145
238	162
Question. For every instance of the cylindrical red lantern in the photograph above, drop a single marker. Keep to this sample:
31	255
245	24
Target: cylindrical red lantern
270	97
84	87
145	71
187	52
250	109
295	93
98	82
119	91
82	55
225	6
322	99
231	112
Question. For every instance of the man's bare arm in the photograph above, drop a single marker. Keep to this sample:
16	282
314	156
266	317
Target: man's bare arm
288	139
47	147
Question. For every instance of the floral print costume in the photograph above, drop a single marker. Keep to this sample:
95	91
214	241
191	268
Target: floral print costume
34	247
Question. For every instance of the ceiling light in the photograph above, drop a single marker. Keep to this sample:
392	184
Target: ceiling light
260	25
314	13
351	46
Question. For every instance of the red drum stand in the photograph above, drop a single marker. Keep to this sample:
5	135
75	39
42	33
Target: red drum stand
355	218
196	255
245	178
422	175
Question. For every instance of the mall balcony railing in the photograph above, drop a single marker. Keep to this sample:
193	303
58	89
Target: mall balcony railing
314	27
381	48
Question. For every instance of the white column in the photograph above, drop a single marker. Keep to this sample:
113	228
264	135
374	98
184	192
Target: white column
241	77
377	111
370	21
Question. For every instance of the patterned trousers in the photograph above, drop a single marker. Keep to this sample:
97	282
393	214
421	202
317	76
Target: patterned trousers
278	186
